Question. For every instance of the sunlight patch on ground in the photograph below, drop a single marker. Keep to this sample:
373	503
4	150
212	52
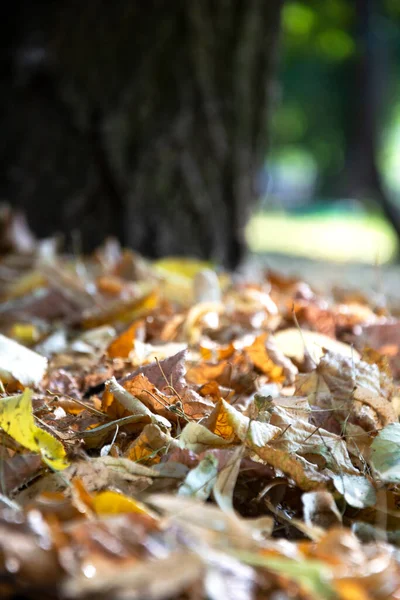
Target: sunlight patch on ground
345	238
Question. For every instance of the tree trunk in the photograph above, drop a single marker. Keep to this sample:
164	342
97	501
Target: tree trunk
145	120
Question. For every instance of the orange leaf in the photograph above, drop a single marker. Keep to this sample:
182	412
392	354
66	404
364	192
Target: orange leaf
111	285
123	344
258	355
147	446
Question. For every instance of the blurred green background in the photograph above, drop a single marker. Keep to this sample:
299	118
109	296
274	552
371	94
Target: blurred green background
320	192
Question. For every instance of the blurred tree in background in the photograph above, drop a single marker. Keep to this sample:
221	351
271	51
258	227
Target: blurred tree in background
145	120
340	94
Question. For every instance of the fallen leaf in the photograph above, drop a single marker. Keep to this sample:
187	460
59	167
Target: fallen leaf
319	508
196	437
162	374
357	391
225	482
114	503
258	354
357	490
293	343
19	363
303	473
133	405
147	447
385	453
200	481
17	420
232	425
18	470
123	344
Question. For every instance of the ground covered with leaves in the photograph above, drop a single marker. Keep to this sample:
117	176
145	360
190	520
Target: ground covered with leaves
167	431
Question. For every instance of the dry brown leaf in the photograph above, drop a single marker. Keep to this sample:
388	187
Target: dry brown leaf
18	470
319	508
164	373
359	391
132	402
146	448
305	474
197	438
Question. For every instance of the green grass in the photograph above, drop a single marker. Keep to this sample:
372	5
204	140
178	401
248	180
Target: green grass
325	236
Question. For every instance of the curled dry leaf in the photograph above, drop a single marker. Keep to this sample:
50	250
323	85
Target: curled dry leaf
232	425
356	391
133	405
151	443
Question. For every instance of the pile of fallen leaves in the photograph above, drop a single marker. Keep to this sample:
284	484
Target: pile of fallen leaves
168	431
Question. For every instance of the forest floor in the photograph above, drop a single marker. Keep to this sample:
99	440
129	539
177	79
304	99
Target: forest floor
324	275
172	433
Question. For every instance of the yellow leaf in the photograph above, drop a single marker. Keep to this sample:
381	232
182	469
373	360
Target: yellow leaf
181	266
16	419
26	333
109	502
123	312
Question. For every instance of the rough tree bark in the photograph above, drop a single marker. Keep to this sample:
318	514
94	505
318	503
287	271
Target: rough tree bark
146	120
